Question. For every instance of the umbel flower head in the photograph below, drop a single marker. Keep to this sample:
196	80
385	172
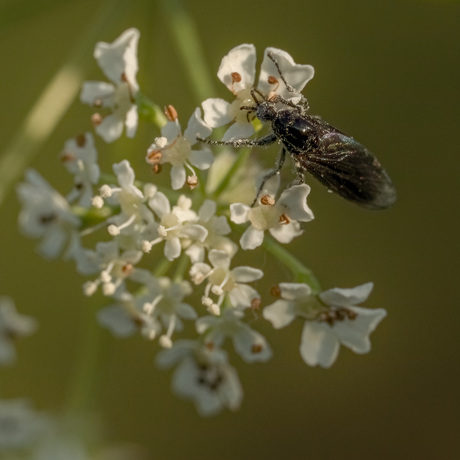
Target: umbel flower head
169	263
118	61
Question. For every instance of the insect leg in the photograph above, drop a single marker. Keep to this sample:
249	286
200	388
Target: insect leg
270	174
303	100
237	143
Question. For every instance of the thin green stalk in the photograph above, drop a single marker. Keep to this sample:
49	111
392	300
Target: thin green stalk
239	162
187	40
302	274
181	268
84	386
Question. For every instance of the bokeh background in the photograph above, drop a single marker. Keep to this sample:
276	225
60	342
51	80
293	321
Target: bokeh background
387	73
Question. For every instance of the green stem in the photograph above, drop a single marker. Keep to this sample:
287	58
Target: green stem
239	162
149	111
187	39
181	268
302	274
87	373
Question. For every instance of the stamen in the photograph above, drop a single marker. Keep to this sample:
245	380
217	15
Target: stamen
284	220
96	119
150	307
267	200
275	291
80	140
170	112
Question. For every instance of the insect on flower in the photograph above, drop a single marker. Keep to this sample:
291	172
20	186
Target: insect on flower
343	165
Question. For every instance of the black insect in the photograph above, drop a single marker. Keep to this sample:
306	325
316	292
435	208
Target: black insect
343	165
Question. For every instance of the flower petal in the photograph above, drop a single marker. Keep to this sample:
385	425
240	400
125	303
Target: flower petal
100	91
319	345
280	313
202	159
295	74
178	176
246	274
295	200
294	291
252	238
196	127
238	131
118	60
239	213
217	112
347	297
111	128
242	61
354	334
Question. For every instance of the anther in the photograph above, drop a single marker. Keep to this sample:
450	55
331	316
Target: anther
267	200
236	77
275	291
284	220
192	181
170	113
80	140
96	119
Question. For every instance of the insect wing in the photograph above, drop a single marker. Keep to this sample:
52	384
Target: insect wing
348	169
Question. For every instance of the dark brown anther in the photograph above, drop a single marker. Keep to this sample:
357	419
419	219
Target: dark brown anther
127	269
272	80
170	113
209	346
275	291
47	218
351	314
255	304
256	348
80	140
67	156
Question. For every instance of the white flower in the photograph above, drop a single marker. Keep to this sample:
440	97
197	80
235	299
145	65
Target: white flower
224	281
331	320
12	326
127	317
46	214
280	217
249	344
135	215
203	375
217	227
237	72
118	61
20	425
176	148
177	226
114	267
80	158
163	302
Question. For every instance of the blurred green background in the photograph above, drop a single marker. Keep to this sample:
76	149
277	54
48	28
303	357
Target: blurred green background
388	74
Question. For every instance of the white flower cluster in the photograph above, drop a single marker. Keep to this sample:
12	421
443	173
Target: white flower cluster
168	261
